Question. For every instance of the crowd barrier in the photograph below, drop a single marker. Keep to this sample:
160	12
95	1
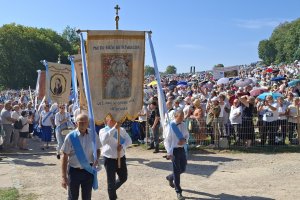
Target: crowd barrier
251	132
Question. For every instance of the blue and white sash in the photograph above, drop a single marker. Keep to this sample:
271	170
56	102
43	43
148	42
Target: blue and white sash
122	140
48	115
82	158
178	134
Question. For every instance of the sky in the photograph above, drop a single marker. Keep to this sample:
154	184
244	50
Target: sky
200	33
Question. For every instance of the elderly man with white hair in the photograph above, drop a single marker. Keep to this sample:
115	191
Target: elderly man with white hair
7	121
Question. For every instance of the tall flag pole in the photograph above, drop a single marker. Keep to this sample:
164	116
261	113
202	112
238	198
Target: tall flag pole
74	84
88	94
161	98
45	63
89	102
37	87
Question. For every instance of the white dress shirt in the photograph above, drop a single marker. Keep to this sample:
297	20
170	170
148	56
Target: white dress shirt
47	122
110	143
86	142
171	140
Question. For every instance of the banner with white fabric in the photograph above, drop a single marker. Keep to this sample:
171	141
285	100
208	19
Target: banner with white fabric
59	82
79	75
227	72
116	73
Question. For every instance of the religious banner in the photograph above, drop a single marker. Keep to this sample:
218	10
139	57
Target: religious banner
41	85
116	73
79	75
227	72
59	82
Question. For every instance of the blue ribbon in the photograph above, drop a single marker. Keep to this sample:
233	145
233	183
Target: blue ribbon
176	131
122	140
74	84
45	63
161	98
48	115
88	94
82	158
178	135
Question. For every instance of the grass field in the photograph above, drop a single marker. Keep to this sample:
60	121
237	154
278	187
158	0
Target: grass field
9	194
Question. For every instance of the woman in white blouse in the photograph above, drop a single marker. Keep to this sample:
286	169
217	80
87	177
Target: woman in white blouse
235	118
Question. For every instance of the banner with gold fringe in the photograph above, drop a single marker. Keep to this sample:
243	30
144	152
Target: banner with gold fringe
59	82
115	61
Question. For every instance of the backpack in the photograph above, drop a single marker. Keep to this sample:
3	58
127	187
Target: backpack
18	124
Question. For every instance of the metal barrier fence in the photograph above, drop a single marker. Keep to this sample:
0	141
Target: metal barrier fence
251	132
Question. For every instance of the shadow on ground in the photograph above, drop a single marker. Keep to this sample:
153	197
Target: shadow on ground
222	196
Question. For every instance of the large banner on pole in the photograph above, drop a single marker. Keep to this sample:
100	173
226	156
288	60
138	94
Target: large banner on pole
116	73
79	75
59	82
221	72
41	85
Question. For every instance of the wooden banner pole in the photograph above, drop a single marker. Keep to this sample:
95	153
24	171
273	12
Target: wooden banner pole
119	152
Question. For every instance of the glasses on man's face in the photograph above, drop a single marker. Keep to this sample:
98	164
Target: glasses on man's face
62	107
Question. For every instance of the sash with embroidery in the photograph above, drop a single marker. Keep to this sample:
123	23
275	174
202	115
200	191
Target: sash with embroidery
82	158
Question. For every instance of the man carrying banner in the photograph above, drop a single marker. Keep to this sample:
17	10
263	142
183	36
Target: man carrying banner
78	155
176	137
110	148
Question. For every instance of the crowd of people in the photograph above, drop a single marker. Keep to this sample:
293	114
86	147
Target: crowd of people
260	106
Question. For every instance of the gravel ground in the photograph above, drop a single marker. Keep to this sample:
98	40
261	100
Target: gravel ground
209	176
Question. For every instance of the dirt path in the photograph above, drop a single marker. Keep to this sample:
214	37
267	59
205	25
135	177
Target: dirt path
208	176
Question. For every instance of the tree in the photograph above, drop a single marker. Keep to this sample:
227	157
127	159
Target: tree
71	35
283	44
267	51
22	48
149	70
219	65
171	69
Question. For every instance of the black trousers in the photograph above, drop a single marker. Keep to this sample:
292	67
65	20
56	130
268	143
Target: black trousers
283	124
179	165
269	129
111	167
77	178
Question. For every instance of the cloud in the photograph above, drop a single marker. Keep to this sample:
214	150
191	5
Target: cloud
259	23
190	46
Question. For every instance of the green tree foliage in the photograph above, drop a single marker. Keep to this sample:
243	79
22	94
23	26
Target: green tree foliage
283	45
73	38
267	51
171	69
149	70
219	65
22	48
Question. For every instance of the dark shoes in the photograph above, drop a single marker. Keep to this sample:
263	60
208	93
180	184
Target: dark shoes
171	184
156	151
149	148
180	197
58	156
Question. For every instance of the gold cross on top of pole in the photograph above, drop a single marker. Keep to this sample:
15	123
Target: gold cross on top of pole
117	8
